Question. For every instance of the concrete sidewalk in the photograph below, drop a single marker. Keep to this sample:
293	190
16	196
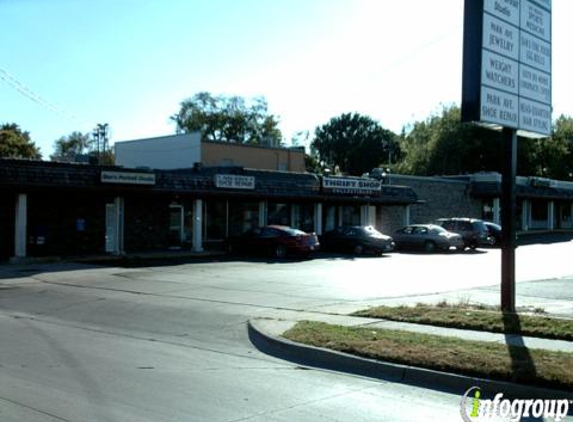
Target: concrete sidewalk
265	332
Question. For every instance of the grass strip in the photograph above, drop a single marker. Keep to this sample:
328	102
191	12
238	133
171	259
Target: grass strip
475	318
473	358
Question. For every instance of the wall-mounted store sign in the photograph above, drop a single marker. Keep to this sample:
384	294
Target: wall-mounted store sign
540	182
233	181
127	178
351	186
507	65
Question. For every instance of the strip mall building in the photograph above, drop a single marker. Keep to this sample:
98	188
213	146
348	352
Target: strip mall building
177	192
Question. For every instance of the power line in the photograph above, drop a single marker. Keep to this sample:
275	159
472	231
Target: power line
36	98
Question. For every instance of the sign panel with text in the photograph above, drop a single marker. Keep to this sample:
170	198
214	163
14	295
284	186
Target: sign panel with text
507	65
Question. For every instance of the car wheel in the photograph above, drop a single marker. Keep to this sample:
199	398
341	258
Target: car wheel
280	251
473	245
429	246
358	249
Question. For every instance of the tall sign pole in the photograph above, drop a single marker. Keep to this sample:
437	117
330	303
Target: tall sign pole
508	211
507	87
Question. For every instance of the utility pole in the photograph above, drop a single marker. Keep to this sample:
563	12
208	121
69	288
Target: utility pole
100	136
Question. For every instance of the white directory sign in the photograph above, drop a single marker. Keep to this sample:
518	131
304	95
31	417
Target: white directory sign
507	64
127	178
232	181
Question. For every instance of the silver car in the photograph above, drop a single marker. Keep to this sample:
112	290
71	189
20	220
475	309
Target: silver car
428	237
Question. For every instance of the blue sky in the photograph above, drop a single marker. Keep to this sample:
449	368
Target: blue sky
130	63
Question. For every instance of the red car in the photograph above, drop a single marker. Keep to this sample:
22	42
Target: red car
278	241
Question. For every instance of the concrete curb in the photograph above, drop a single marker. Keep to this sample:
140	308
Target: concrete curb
342	362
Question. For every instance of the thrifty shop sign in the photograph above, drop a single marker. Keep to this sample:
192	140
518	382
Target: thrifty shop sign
351	186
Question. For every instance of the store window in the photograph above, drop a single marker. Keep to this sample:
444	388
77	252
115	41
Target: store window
303	217
214	220
175	225
487	210
351	215
330	217
564	220
539	211
279	214
243	216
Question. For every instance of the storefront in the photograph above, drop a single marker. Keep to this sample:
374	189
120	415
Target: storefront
542	204
62	209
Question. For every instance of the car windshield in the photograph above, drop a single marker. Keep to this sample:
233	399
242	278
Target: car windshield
439	229
372	232
293	232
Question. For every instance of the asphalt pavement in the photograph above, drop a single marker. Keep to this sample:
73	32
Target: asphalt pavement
172	340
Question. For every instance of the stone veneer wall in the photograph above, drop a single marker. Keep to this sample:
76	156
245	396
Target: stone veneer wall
390	218
146	223
443	198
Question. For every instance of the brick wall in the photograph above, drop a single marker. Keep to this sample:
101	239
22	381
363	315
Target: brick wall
443	198
146	221
251	156
390	218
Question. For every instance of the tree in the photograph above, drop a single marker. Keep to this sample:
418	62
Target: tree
553	157
78	146
354	143
16	143
443	145
228	119
72	145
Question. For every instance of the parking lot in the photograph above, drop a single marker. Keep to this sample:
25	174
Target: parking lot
166	340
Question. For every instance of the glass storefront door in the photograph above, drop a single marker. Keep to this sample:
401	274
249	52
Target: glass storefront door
215	220
175	225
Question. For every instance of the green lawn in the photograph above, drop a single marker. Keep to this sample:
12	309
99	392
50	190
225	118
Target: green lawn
475	318
480	359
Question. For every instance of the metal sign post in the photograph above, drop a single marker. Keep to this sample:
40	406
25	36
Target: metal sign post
508	208
507	87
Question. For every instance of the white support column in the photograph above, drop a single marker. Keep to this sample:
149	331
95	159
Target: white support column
318	219
525	215
550	215
262	213
364	215
294	215
372	215
119	210
406	220
21	226
197	225
496	211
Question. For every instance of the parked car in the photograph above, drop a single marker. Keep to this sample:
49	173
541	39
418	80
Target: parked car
429	237
473	231
494	231
278	241
357	240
